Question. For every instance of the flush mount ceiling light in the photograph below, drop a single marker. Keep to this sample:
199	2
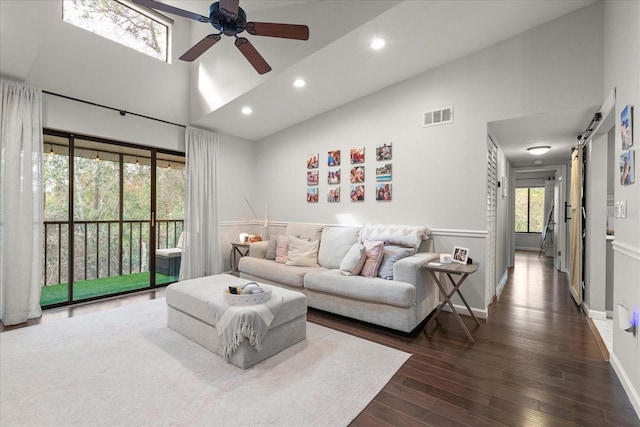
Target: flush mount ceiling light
299	83
246	110
377	44
541	149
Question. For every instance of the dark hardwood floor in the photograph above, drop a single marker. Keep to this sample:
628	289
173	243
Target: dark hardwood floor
535	361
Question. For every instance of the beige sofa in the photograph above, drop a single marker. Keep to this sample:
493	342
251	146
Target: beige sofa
400	302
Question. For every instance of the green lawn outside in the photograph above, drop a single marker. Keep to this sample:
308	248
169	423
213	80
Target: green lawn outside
84	289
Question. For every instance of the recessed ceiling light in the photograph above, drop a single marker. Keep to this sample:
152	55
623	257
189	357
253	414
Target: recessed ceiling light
377	44
541	149
246	110
299	83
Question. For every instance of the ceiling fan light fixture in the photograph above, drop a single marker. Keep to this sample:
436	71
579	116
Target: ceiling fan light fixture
299	83
538	150
377	44
247	110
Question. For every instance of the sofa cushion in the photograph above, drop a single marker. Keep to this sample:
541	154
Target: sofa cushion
335	243
406	235
282	249
274	272
302	253
354	260
271	248
305	231
377	290
391	254
374	258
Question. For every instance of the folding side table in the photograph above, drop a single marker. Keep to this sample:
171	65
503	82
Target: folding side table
462	270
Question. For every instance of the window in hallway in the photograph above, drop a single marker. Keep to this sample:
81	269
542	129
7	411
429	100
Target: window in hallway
529	210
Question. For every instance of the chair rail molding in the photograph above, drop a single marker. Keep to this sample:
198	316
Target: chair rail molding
628	250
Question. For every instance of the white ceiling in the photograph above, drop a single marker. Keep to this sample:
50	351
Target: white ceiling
337	62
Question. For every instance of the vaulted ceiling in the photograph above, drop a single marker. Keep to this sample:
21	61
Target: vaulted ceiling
336	62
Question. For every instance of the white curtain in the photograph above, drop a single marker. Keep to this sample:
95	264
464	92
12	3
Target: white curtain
21	203
201	254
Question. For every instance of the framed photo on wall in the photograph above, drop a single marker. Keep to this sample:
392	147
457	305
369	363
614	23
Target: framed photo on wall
356	193
460	255
333	158
383	173
356	175
333	194
312	177
333	176
312	161
312	194
383	152
626	126
627	167
383	192
357	155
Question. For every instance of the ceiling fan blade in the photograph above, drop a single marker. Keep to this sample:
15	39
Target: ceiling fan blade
252	55
229	8
170	9
285	31
201	47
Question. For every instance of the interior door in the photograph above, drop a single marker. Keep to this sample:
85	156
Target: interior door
576	235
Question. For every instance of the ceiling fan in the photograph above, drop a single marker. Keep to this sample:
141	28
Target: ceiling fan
227	17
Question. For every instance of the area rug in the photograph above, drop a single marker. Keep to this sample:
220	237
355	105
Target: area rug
124	367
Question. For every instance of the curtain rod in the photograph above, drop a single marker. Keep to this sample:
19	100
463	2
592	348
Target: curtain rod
122	112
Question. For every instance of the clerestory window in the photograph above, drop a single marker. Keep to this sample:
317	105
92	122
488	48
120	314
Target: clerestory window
122	22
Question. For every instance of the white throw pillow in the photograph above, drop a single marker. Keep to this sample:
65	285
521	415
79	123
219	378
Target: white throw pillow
303	253
353	261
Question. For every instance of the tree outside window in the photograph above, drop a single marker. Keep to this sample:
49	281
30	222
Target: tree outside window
529	210
117	21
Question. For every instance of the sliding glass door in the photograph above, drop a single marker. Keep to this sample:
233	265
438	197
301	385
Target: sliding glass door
103	240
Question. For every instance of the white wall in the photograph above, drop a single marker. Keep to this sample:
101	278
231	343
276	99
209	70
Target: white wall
439	174
622	71
596	224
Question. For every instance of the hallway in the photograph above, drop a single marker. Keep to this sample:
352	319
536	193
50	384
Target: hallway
535	362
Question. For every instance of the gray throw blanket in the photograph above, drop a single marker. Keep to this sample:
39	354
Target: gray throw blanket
235	323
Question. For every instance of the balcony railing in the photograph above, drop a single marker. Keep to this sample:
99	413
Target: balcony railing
103	248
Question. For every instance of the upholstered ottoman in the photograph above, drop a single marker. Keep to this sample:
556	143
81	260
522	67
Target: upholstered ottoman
191	311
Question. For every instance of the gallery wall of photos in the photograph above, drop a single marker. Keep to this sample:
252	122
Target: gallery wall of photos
328	176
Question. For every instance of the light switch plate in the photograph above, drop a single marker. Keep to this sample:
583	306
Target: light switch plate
623	208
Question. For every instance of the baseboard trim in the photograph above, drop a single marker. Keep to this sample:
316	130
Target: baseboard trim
480	314
527	249
502	283
603	347
594	314
632	394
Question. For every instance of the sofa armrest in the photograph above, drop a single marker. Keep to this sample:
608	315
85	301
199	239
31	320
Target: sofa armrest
258	249
409	269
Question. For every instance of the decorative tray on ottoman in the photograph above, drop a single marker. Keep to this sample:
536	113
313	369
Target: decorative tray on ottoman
248	299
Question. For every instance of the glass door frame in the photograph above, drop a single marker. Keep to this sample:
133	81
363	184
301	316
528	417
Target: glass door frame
71	221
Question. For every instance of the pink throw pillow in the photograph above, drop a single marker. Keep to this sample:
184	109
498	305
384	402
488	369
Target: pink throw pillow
375	251
282	248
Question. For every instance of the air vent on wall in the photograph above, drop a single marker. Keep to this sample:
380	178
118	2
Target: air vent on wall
438	116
